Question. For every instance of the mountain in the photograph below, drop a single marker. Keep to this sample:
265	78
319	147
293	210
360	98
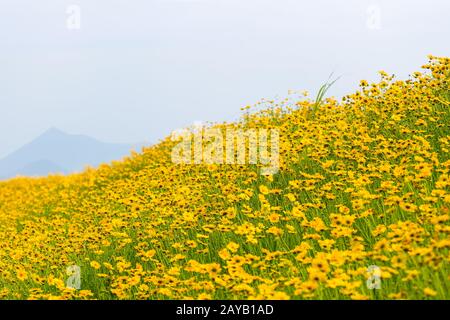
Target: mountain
58	152
40	168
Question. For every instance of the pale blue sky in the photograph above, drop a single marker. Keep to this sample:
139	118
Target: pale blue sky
138	69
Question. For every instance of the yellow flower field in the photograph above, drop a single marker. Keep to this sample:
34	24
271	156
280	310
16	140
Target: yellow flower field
358	210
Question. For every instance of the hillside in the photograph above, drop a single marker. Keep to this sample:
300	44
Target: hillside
362	194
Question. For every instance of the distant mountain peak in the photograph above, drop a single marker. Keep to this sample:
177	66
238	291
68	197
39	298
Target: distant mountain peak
53	131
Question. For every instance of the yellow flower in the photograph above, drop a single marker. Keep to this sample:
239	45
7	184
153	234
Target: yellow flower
204	296
408	207
233	246
291	229
263	189
279	295
274	217
149	254
213	269
224	254
21	275
291	197
327	243
275	231
231	213
429	292
84	293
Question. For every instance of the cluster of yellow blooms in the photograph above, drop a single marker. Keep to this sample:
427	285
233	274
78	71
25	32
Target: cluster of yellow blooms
362	182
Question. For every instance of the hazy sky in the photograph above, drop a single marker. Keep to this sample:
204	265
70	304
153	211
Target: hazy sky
138	69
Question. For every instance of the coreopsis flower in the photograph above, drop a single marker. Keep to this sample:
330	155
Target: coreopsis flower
22	275
429	292
264	190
